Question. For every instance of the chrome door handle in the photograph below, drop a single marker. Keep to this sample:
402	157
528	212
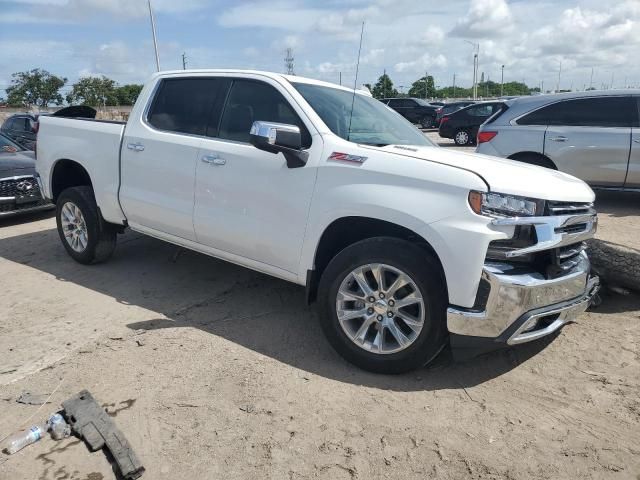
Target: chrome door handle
558	139
213	160
136	147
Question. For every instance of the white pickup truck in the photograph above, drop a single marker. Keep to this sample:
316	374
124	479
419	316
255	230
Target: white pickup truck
406	246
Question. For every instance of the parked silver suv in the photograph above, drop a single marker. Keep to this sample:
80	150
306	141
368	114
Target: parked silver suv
594	135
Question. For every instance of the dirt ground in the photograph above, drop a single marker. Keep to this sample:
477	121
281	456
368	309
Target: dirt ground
215	371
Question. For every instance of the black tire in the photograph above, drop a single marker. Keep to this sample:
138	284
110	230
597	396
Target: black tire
101	236
427	122
423	269
534	159
462	137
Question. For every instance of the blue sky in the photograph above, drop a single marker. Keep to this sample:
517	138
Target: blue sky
74	38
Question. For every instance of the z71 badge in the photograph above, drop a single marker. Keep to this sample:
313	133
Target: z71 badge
345	157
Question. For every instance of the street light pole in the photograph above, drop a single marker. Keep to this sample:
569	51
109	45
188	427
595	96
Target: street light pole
559	73
153	31
502	82
476	51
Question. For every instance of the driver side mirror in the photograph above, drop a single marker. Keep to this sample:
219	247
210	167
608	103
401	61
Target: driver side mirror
279	138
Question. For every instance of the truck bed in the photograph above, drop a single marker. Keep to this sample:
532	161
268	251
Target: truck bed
94	144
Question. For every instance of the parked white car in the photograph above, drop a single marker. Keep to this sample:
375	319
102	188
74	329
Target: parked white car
593	135
405	245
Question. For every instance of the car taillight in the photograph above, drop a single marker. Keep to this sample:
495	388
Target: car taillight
444	119
486	136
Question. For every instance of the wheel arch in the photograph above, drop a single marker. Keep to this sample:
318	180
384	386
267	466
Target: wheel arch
347	230
67	173
534	158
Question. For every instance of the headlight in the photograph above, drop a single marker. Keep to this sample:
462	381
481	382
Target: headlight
501	205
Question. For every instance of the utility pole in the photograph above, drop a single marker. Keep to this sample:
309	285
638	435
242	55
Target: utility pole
184	60
502	82
340	77
288	62
559	73
454	85
153	31
611	80
591	81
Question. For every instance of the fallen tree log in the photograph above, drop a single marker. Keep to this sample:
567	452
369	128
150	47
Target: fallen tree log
617	265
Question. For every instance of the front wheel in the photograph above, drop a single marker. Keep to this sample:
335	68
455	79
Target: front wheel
84	233
383	305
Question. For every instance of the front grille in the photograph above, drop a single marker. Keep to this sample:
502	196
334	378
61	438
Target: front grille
567	208
566	258
24	199
9	187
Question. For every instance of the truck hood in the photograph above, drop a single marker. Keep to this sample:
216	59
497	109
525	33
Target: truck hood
15	164
505	176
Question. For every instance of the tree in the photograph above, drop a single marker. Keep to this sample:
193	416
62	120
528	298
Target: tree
93	91
128	94
384	88
35	88
418	88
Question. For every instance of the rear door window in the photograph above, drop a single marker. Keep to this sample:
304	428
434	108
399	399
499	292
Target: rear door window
250	101
586	112
480	111
186	105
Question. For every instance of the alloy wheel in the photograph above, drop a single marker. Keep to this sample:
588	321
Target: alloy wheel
380	308
74	227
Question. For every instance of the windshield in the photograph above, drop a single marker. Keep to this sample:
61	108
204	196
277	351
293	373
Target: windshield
7	146
373	123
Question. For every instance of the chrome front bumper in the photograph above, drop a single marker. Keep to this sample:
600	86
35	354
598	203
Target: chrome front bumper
523	305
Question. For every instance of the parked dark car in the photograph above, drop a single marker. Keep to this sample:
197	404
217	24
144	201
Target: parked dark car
462	126
416	110
21	128
19	189
448	108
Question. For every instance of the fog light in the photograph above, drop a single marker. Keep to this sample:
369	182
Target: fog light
529	325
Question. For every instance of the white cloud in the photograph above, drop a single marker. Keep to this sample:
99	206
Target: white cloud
419	65
485	18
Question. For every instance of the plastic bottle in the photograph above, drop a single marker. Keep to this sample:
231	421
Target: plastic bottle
19	440
59	427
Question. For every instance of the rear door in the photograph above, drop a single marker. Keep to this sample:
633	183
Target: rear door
633	175
248	202
590	138
159	155
476	116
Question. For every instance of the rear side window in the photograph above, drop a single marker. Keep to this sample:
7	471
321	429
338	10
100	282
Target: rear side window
586	112
185	105
481	111
250	101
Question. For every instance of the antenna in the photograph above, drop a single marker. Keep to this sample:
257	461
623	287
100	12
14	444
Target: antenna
355	83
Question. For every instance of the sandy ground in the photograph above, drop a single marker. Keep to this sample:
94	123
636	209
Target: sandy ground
215	371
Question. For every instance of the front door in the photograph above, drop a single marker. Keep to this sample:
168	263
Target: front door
248	203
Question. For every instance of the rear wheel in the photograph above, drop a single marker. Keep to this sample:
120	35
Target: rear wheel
427	122
383	305
462	138
83	232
